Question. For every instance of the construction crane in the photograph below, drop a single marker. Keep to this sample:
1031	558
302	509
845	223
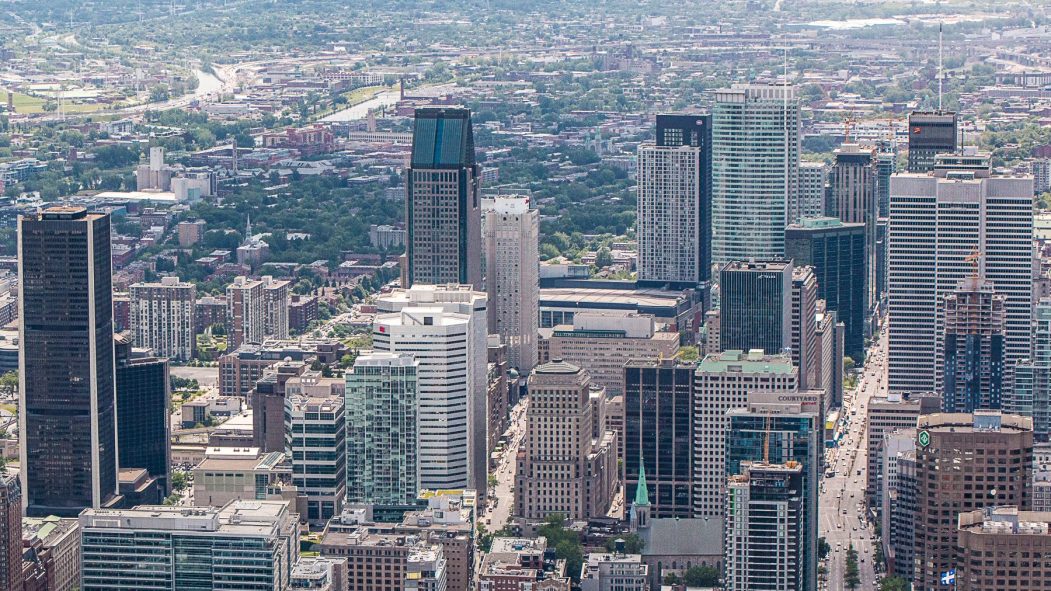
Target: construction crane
974	259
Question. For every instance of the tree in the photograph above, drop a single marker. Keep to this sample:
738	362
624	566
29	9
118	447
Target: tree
180	481
603	258
9	383
848	363
689	353
566	542
893	584
852	578
633	544
823	547
701	576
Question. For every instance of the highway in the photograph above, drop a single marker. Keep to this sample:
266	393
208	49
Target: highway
842	513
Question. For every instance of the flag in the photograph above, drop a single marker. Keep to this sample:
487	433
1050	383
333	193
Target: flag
949	577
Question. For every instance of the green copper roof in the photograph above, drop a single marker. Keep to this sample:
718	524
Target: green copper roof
754	361
642	492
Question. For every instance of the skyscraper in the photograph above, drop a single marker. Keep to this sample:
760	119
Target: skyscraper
143	420
722	382
244	312
162	317
443	209
674	202
512	261
316	444
10	532
836	252
769	431
755	303
562	468
804	326
755	164
766	529
445	329
658	433
853	200
67	421
965	462
813	181
1031	394
970	364
382	430
938	226
930	134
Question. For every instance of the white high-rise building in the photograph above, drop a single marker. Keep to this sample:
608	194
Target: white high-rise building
813	178
943	227
162	317
444	328
755	171
511	233
722	382
316	444
668	213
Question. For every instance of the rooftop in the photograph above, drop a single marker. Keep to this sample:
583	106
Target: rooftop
755	361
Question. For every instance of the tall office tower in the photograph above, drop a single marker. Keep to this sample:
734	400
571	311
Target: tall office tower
451	348
766	529
998	536
275	307
442	208
804	325
887	414
316	444
970	364
603	343
853	197
563	469
930	134
10	532
658	433
829	355
898	508
143	420
1031	394
755	303
836	252
246	544
244	312
511	232
674	202
768	431
937	225
886	163
813	187
755	171
67	423
382	431
722	382
965	462
162	317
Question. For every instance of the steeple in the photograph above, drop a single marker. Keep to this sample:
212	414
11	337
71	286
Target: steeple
248	228
639	517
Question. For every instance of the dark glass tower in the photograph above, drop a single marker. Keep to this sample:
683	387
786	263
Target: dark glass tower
658	427
836	251
755	300
68	443
930	134
143	424
442	208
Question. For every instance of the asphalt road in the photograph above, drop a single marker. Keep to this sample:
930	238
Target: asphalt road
842	513
498	507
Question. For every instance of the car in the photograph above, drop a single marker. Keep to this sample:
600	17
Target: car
855	528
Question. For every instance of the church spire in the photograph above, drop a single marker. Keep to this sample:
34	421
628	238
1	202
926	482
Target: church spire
642	492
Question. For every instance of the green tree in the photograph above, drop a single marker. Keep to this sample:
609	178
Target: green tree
852	578
701	576
566	542
9	383
180	481
689	353
823	547
893	584
848	363
633	544
603	258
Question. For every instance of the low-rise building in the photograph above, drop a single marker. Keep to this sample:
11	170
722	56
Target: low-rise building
522	564
233	474
614	572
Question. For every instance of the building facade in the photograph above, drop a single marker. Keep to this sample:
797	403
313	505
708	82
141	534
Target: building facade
930	134
755	306
316	443
443	201
755	164
382	430
511	231
990	543
563	468
143	391
67	421
970	363
853	199
813	186
162	317
10	532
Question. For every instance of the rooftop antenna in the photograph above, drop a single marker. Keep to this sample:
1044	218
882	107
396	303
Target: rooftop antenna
941	72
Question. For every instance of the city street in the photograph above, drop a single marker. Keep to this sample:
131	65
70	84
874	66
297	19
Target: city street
842	510
498	507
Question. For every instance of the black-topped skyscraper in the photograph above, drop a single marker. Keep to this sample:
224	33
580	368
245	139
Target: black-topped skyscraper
675	203
443	202
930	134
67	423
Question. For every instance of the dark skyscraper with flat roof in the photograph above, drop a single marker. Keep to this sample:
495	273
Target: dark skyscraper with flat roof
755	300
930	134
443	201
67	423
836	251
143	423
657	430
